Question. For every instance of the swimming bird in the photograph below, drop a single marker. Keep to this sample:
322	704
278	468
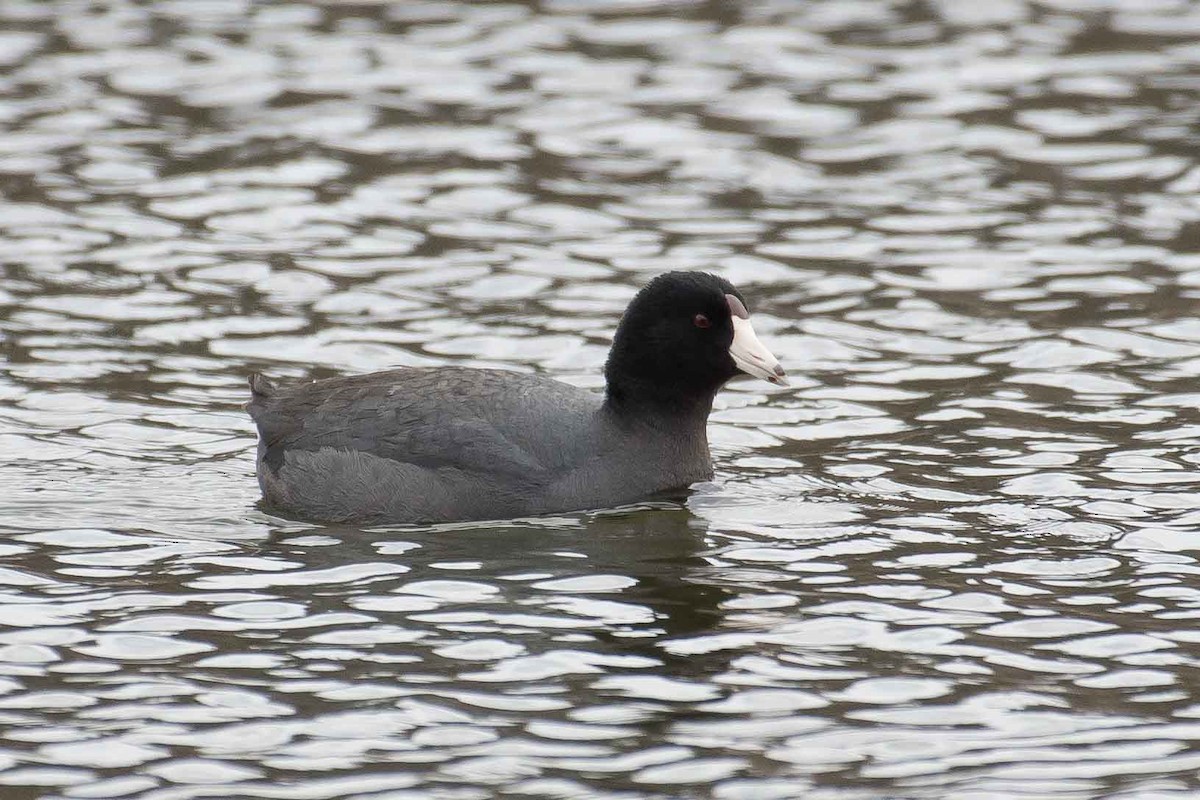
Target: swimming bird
443	444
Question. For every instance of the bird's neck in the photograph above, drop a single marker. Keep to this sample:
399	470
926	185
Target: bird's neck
640	404
670	439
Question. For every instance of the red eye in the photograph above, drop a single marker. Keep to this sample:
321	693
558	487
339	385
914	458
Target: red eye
702	321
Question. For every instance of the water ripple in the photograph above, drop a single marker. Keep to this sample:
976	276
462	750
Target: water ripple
956	558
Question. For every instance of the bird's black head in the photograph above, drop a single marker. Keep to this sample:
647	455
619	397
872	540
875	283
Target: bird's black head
682	337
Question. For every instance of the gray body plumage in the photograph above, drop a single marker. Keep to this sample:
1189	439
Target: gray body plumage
443	444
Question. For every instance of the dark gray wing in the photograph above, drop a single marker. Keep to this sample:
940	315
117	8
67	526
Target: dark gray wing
489	422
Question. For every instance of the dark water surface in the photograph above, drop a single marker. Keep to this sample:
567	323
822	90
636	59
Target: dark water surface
958	559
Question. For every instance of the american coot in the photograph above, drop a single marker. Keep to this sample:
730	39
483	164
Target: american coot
442	444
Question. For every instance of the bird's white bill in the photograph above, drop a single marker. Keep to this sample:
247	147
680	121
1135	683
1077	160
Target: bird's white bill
752	356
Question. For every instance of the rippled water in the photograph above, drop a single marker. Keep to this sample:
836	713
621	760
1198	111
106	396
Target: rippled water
957	559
